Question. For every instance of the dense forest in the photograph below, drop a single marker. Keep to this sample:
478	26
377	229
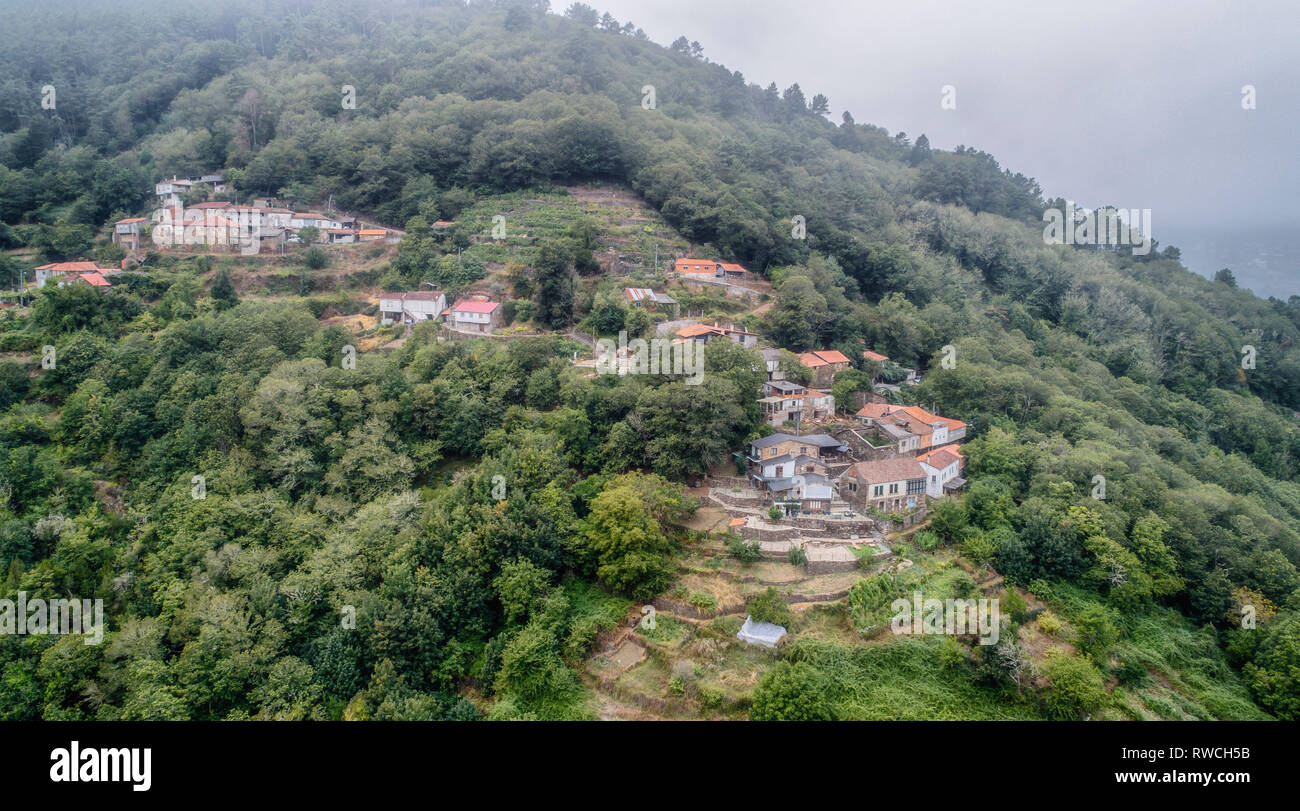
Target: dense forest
441	531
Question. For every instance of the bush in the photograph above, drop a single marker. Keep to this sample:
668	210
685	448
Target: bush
1132	672
796	556
1013	604
926	540
709	696
315	258
1076	687
770	606
743	550
702	600
792	692
1049	623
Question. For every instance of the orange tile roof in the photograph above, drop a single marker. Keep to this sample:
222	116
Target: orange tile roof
70	267
684	265
131	219
832	356
876	410
939	459
875	356
695	330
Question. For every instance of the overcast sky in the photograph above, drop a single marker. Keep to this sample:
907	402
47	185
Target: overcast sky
1137	104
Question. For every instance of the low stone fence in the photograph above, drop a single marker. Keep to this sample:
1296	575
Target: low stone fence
752	499
840	526
727	482
770	533
911	520
815	567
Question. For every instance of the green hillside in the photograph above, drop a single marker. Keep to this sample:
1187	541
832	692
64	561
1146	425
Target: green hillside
454	529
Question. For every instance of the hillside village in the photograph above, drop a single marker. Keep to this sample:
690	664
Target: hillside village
841	462
830	479
568	376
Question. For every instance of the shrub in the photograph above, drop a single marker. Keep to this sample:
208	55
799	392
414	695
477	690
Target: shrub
1049	623
979	548
1013	604
792	692
702	600
1076	687
1132	672
1095	632
743	550
709	696
796	556
315	258
769	606
926	540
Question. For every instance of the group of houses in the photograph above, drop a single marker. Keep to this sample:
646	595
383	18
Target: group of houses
63	274
910	429
473	313
219	225
807	474
915	456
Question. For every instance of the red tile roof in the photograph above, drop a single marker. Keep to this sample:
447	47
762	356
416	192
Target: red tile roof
938	459
70	267
688	265
876	410
94	279
695	330
822	357
875	356
475	306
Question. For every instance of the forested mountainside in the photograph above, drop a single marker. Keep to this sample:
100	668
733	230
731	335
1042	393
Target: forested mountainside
373	493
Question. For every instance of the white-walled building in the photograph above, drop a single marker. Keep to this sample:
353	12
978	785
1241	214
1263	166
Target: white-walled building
417	305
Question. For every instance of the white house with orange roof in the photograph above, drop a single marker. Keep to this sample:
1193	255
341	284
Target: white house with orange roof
901	423
477	314
943	467
703	333
56	271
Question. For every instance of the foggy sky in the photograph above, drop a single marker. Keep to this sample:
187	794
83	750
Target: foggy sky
1136	105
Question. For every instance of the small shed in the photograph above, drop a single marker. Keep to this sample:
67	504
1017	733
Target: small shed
760	633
